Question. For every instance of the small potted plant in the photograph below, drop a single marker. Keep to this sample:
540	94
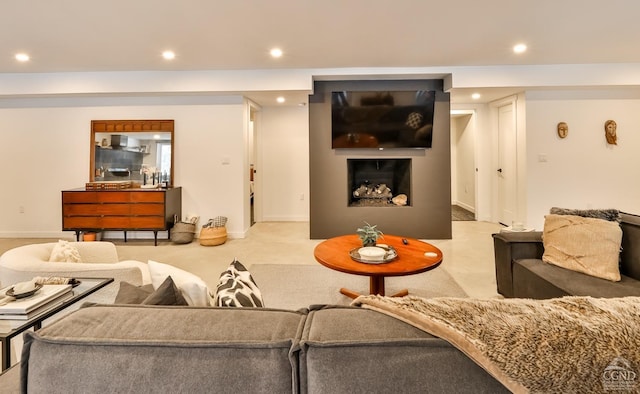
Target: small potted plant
369	234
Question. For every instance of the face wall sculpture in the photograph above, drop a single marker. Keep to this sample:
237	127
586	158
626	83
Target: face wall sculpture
563	129
610	127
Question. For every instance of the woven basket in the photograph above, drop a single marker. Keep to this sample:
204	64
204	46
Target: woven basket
183	233
212	236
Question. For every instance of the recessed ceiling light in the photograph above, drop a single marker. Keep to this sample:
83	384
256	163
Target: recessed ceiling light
22	57
169	55
280	99
475	96
276	52
520	48
156	136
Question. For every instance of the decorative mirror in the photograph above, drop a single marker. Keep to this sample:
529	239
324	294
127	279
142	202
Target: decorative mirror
140	151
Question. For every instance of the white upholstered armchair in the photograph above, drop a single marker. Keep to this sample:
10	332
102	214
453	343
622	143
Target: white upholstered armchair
99	260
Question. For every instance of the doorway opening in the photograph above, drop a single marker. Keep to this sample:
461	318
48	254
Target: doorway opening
463	166
253	158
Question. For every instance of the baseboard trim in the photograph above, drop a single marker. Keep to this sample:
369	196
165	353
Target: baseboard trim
285	219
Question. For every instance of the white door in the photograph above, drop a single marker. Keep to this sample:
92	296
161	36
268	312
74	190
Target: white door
506	170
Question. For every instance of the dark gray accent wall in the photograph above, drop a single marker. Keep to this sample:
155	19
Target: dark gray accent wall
428	217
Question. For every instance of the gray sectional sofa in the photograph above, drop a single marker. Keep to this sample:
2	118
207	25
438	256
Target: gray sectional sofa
323	349
521	273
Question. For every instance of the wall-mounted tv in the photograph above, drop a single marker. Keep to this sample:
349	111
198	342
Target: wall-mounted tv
382	119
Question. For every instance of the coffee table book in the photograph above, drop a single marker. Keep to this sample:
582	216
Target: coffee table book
21	308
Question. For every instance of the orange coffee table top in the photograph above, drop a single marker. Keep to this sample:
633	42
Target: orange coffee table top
334	253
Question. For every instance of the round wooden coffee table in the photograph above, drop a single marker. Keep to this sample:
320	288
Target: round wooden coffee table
334	253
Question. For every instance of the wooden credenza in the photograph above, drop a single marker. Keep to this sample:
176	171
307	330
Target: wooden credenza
121	210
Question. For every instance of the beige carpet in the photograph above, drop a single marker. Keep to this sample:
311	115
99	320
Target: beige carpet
468	257
297	286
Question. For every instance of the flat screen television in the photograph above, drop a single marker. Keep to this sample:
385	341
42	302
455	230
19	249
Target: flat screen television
382	120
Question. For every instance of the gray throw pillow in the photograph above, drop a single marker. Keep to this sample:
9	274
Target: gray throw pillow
167	294
131	294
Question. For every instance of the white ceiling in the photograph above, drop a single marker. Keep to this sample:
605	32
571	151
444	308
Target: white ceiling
124	35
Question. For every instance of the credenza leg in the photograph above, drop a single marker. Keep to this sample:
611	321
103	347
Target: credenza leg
155	238
125	236
77	236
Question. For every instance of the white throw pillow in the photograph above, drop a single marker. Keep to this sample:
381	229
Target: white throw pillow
193	289
65	252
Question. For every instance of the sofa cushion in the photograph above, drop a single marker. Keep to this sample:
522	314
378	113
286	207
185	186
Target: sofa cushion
532	278
192	287
587	245
158	349
346	350
65	252
237	288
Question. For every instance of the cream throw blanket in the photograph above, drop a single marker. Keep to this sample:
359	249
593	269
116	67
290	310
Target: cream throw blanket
561	345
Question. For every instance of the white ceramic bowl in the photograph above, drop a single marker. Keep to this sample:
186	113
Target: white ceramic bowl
372	253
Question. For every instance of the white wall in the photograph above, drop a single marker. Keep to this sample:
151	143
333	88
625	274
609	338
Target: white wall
45	150
283	172
581	171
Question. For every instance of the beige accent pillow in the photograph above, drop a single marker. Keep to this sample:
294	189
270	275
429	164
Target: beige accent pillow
65	252
586	245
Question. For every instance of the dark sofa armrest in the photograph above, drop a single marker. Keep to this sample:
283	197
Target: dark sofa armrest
512	246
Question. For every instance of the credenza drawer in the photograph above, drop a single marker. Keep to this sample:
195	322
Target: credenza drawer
81	222
115	222
123	197
79	197
149	222
147	196
147	209
95	209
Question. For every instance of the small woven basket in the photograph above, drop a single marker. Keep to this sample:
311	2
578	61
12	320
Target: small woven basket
212	236
183	233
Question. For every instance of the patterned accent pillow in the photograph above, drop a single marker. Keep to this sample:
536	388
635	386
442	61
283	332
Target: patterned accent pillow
237	288
65	252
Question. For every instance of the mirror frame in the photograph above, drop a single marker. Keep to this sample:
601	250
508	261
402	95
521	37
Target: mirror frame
129	127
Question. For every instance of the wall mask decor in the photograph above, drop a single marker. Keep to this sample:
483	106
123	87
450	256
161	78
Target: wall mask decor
610	127
563	129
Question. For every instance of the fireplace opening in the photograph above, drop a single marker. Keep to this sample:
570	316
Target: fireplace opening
379	182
